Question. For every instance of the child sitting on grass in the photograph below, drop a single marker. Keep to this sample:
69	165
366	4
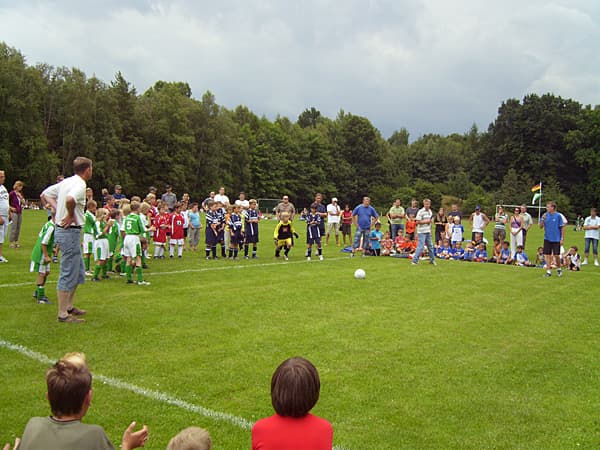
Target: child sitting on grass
387	245
573	259
521	259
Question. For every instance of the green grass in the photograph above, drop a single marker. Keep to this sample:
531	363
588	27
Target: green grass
462	355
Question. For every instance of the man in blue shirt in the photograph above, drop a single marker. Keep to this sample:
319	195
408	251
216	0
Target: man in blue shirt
554	234
363	216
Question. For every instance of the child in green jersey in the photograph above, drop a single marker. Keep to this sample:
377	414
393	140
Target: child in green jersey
132	248
40	259
88	234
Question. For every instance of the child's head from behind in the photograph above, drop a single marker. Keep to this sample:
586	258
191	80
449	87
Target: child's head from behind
91	206
295	387
191	438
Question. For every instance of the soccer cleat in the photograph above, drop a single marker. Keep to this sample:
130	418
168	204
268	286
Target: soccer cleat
143	283
70	319
3	259
548	274
287	259
414	263
54	259
145	266
308	258
129	281
254	257
105	277
95	279
35	294
44	300
246	257
559	272
321	258
89	273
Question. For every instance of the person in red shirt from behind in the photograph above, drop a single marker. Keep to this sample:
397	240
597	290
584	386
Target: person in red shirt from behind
295	389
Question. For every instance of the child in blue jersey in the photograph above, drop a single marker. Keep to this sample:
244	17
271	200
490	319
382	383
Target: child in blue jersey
457	252
444	251
251	218
521	258
235	231
375	238
480	253
221	211
40	258
194	227
504	257
469	254
456	231
213	229
313	232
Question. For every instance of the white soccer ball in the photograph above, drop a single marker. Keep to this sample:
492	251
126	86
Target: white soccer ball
359	274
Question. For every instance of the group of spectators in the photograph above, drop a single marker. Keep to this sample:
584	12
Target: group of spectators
295	389
11	211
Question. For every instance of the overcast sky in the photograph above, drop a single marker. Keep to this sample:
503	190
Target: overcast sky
431	66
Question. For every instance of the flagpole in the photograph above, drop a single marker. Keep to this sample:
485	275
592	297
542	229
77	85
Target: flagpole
540	204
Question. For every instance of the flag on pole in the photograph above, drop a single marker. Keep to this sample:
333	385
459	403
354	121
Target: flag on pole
537	187
535	197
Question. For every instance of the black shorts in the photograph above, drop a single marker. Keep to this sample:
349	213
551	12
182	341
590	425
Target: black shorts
185	232
237	237
551	248
346	229
211	238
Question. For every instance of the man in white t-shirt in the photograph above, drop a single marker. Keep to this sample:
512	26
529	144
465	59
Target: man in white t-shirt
68	200
333	221
591	225
241	201
221	197
478	221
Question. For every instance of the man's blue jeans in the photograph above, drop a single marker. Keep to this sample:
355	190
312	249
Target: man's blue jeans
424	239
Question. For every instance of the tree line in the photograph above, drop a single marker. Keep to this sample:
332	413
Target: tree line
49	115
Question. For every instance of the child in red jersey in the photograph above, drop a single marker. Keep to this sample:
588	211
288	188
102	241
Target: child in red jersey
161	226
177	231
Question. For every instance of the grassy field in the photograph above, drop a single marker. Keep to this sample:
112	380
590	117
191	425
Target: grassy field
461	355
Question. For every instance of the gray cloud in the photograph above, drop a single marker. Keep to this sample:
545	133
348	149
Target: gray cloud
429	66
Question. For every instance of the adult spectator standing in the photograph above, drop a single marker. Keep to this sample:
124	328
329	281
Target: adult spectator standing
333	220
346	217
210	198
478	221
364	217
16	202
441	223
4	211
169	198
516	231
285	206
554	234
413	209
454	211
527	222
221	197
68	200
241	201
396	216
322	211
591	225
500	220
69	392
424	218
118	194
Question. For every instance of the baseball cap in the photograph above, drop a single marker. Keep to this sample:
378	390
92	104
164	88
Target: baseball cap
477	208
334	199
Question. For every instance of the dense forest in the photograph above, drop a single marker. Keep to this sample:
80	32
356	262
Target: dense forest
48	115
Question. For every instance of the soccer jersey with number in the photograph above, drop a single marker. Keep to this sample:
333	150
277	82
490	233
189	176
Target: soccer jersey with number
45	237
132	224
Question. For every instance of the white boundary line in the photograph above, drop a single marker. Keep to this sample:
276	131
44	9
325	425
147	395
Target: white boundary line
204	269
148	393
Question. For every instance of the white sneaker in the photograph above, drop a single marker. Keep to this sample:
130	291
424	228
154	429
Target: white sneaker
321	258
308	258
3	259
143	283
585	262
596	263
286	257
